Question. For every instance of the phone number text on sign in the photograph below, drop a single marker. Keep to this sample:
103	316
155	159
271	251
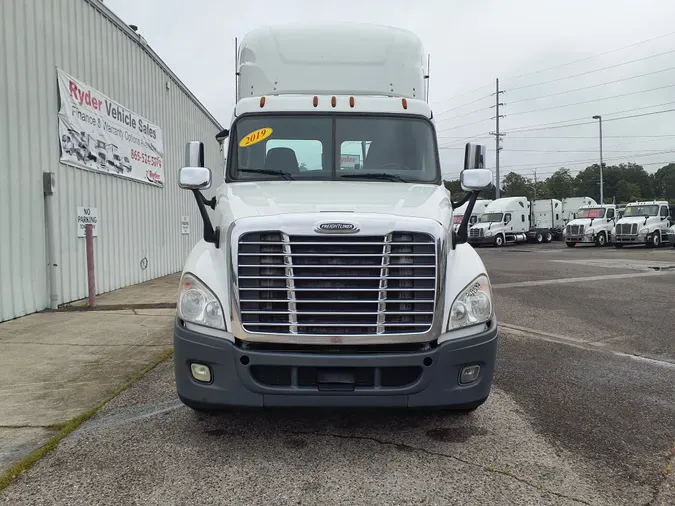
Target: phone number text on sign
153	161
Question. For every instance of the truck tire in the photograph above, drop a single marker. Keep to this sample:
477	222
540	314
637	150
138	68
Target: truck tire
549	237
571	244
601	240
499	241
656	239
539	238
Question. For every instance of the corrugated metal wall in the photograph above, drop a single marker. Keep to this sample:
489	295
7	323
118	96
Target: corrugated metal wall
137	221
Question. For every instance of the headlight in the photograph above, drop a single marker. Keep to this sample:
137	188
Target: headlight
488	233
644	231
589	231
473	305
197	304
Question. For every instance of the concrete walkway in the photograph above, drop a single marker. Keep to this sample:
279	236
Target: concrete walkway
55	366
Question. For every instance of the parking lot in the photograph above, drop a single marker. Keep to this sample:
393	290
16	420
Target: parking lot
582	412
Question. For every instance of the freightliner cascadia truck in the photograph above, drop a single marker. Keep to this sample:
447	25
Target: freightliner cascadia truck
324	284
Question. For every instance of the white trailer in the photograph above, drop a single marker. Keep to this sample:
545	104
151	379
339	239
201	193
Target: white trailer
594	224
570	206
318	285
458	213
643	223
546	221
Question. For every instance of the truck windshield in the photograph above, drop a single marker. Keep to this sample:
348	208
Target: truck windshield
633	211
333	147
491	217
596	212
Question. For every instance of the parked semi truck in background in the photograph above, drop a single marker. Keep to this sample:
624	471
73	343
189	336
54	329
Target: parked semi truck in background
594	224
570	206
643	223
478	209
317	285
511	220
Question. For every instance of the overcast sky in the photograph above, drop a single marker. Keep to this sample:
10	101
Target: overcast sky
471	44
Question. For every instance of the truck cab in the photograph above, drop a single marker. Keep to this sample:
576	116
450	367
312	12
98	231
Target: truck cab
321	283
593	225
504	221
458	214
643	223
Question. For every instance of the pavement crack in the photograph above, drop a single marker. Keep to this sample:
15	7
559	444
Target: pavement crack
668	469
476	465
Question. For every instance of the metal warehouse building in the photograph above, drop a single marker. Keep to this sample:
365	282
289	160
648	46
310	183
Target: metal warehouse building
84	100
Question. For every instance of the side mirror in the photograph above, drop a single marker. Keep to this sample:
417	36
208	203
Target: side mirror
474	156
194	154
476	179
194	178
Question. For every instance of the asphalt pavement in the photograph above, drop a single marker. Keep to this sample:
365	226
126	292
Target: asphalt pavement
582	412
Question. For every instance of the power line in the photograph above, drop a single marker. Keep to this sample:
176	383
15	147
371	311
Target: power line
461	115
461	95
594	56
594	100
605	114
466	124
526	129
592	86
549	172
595	137
461	106
572	76
554	164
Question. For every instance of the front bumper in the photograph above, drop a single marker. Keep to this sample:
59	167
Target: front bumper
236	374
632	239
576	239
480	241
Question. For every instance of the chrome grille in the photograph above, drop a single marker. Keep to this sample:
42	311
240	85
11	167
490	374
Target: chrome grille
573	230
627	229
337	285
476	232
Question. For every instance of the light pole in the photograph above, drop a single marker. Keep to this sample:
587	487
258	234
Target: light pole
602	196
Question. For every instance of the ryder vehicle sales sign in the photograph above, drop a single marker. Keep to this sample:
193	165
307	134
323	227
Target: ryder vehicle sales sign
97	133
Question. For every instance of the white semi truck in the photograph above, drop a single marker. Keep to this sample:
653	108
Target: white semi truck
317	285
643	223
478	209
594	224
512	220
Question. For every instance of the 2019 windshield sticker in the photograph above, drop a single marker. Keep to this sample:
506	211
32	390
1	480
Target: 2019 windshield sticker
255	137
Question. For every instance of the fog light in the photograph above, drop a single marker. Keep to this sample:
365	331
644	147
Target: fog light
469	374
201	372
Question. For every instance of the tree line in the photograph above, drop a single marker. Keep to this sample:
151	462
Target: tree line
623	183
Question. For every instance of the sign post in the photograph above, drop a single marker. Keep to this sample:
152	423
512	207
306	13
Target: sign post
91	281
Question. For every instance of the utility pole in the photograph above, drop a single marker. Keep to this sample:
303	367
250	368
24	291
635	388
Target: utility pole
498	135
602	199
535	184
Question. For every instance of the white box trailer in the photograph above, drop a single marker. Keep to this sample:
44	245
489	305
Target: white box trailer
570	206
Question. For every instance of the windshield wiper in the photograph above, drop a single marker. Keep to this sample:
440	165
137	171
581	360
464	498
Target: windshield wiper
271	172
376	175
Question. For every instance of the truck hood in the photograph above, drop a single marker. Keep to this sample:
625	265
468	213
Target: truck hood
487	226
268	198
634	219
587	222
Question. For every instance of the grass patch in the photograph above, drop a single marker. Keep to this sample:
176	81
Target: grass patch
66	428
